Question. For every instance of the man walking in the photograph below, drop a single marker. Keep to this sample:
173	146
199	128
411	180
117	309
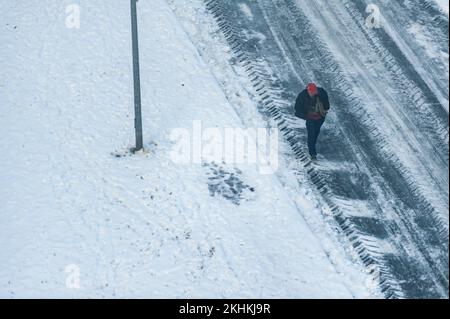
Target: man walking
312	105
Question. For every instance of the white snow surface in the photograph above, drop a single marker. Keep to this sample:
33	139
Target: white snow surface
138	226
444	5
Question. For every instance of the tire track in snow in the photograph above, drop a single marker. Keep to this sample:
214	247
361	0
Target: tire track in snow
415	33
420	105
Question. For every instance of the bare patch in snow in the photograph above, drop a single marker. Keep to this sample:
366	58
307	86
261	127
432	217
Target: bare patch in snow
228	184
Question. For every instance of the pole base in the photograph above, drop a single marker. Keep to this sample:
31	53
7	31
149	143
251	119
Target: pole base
135	150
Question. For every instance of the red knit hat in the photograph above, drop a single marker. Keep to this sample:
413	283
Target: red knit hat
312	89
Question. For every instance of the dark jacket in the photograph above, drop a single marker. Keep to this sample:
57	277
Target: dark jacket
305	103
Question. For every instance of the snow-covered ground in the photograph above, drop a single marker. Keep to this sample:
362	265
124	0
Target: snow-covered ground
73	201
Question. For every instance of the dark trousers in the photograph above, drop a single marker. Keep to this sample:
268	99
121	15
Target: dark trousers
313	128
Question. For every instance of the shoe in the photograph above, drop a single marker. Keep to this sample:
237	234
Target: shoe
313	157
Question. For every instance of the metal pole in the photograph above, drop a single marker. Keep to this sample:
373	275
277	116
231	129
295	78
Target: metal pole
137	81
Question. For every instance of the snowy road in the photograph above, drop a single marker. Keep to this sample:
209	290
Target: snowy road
385	146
